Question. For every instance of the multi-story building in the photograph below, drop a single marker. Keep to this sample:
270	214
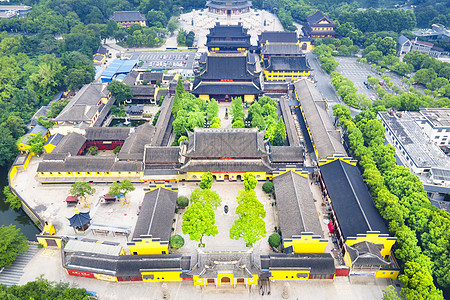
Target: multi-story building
228	38
228	7
280	68
319	26
127	18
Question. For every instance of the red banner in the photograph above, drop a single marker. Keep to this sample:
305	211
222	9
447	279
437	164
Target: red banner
81	273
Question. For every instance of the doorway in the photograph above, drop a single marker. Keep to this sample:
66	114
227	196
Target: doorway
229	12
226	177
225	280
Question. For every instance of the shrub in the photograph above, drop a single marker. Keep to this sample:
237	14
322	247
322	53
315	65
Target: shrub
93	150
268	187
117	149
274	240
183	201
176	241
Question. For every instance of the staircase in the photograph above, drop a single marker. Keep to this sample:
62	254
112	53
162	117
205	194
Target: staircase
12	274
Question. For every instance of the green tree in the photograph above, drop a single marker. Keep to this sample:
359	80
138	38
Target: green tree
267	187
198	221
250	225
10	198
238	124
250	181
126	186
81	189
36	144
114	189
117	150
12	243
181	37
15	125
8	147
120	91
172	25
176	241
206	196
212	110
237	110
93	150
182	201
390	294
274	240
207	181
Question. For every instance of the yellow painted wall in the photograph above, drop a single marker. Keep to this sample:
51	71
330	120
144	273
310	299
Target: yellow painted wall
49	148
148	246
301	173
282	75
204	97
306	244
229	275
42	240
393	274
93	175
101	60
199	281
196	176
348	260
288	275
105	277
375	238
163	276
249	98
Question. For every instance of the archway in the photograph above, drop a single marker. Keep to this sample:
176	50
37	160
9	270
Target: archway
225	280
226	177
238	178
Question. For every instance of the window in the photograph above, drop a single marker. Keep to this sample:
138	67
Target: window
439	130
436	137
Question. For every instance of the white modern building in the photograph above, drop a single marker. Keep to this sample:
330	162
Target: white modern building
413	147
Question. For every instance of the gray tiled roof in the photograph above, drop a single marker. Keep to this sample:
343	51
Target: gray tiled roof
286	154
159	154
71	143
226	165
295	204
217	143
287	63
319	263
151	76
278	49
133	147
128	16
291	130
326	138
316	17
85	104
366	254
351	201
156	214
107	133
278	37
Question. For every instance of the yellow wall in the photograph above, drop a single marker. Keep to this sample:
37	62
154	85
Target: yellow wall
375	238
249	98
301	173
229	275
99	61
386	273
105	277
163	276
93	175
199	281
283	75
247	281
204	97
288	275
197	176
306	244
49	148
42	240
148	246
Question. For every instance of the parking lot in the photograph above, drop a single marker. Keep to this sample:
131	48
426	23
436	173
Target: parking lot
356	72
164	60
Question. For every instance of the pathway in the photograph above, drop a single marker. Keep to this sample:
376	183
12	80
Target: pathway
12	274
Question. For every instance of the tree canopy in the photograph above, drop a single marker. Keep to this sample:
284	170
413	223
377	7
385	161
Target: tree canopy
12	243
198	221
81	189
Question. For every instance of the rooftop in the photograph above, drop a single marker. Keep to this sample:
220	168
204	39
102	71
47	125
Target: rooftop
287	63
226	143
85	104
421	151
437	117
156	214
318	16
295	204
227	67
279	49
352	204
278	37
326	139
128	16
